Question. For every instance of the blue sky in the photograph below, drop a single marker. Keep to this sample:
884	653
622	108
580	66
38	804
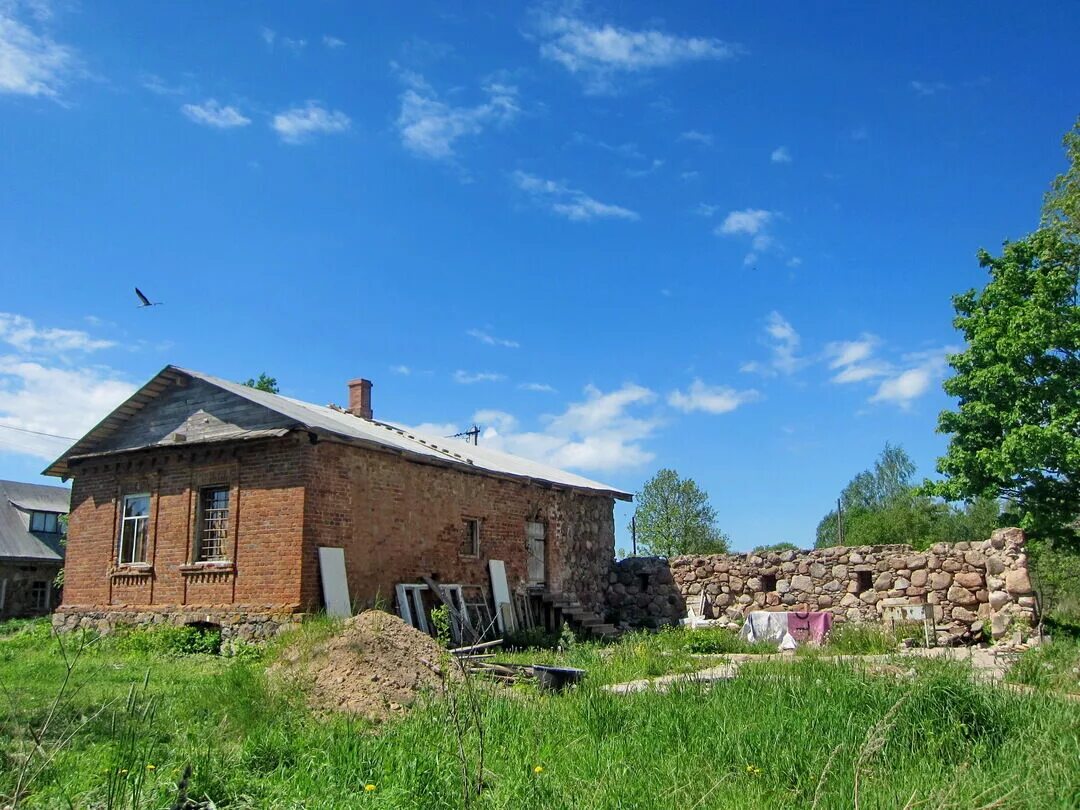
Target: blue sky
718	237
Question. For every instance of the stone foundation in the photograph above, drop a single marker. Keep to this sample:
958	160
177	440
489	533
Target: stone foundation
237	624
973	587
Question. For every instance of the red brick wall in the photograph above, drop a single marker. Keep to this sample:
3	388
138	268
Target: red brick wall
399	520
265	531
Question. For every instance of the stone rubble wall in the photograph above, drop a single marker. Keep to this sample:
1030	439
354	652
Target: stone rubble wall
972	586
237	625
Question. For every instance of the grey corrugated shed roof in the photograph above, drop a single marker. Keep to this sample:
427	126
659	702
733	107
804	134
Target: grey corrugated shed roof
322	419
16	539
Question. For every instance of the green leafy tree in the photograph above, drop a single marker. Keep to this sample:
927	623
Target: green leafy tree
1015	433
882	507
674	517
1061	209
264	383
781	546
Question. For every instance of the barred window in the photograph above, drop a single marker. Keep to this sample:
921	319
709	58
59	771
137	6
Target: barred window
213	524
470	545
133	529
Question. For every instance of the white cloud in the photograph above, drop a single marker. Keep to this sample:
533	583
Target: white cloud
706	210
598	433
630	151
404	371
158	86
750	221
50	399
853	360
923	370
695	136
710	398
493	419
600	53
442	429
470	377
904	387
212	114
928	88
857	361
784	343
429	127
542	388
273	40
333	43
300	124
31	62
491	340
780	155
577	206
24	335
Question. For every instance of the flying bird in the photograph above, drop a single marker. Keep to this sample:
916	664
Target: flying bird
144	301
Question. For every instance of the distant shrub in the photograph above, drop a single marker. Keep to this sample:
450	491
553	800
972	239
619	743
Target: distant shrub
860	639
170	640
721	641
532	638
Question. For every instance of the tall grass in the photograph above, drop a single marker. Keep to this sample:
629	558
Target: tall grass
798	735
1050	667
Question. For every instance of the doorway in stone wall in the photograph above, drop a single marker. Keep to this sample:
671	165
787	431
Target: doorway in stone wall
536	547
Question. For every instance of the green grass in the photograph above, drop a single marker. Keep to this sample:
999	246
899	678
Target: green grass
777	736
1050	667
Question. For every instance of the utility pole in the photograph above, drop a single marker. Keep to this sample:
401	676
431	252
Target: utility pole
633	533
840	521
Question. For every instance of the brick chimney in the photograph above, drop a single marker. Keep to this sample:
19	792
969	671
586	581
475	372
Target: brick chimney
360	398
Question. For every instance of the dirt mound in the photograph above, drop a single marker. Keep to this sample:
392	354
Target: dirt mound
375	666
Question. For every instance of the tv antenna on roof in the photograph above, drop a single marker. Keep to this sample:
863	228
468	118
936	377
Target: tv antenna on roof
470	435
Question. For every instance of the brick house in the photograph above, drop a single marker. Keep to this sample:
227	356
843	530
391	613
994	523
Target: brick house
31	551
200	499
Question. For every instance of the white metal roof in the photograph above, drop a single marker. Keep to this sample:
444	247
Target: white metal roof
420	446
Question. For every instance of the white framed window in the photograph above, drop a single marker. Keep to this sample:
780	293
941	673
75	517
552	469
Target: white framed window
470	544
213	524
134	526
46	522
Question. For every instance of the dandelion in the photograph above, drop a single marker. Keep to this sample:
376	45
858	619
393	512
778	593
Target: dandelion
151	767
753	770
369	788
539	769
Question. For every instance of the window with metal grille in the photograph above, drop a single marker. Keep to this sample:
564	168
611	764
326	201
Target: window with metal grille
213	524
39	595
45	522
133	529
470	545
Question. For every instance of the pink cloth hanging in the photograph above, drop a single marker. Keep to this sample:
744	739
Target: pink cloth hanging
811	626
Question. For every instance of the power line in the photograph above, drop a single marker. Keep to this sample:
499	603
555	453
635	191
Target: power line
39	433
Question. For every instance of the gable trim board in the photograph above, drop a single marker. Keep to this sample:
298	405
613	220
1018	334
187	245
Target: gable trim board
279	415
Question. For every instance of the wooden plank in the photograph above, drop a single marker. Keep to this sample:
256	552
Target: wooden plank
483	645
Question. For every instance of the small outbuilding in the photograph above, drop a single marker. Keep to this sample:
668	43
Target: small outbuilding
31	547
